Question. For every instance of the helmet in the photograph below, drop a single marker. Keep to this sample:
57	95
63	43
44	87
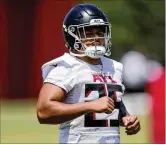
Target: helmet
77	21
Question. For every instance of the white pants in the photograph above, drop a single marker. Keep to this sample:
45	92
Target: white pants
88	138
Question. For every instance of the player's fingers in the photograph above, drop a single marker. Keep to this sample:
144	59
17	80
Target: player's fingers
132	132
109	109
133	119
111	103
132	125
111	106
111	100
136	129
128	123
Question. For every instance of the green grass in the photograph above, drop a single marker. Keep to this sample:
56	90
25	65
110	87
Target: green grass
19	125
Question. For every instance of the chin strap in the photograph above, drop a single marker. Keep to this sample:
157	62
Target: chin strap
75	54
94	52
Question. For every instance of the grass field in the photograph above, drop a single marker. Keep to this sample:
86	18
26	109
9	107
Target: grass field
19	125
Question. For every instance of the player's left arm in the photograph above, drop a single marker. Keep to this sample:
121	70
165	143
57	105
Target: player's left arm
131	123
122	113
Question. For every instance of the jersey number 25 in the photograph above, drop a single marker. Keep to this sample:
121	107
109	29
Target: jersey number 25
103	90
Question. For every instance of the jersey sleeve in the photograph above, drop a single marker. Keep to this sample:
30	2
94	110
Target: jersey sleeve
119	74
60	76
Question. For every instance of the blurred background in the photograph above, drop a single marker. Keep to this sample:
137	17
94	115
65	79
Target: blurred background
31	34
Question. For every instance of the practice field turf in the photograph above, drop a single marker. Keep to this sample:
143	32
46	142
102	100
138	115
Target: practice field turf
19	125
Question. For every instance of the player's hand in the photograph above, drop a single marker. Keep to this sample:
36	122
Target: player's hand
132	124
104	104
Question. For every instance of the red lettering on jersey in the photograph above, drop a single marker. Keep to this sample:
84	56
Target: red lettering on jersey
111	79
97	78
104	78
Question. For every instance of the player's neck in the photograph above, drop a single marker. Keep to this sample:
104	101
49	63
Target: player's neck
90	60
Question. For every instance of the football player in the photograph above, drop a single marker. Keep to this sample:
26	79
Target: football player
82	90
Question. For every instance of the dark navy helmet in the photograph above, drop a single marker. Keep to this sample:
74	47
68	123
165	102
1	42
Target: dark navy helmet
80	18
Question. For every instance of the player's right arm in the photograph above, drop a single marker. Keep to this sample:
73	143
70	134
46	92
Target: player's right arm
52	110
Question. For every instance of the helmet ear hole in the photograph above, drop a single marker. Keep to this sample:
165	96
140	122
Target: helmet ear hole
72	29
77	46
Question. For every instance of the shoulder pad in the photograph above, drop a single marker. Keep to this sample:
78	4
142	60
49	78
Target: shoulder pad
115	64
65	60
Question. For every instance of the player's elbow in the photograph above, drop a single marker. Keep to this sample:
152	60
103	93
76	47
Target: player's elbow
45	115
41	117
46	119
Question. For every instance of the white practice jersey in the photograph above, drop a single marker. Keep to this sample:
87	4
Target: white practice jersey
84	82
